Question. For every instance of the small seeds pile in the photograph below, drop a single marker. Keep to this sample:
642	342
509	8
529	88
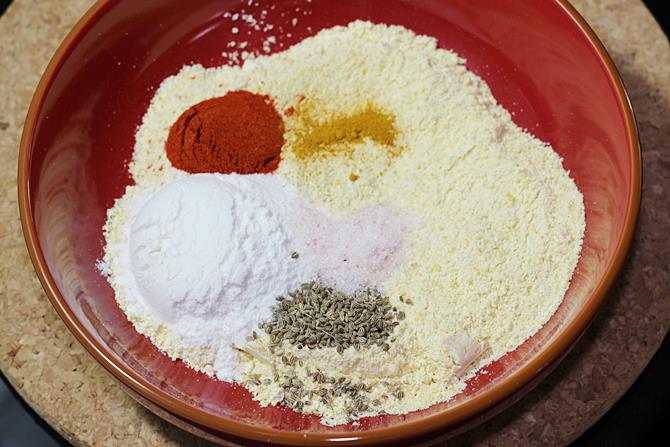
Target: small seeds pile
356	393
319	317
297	394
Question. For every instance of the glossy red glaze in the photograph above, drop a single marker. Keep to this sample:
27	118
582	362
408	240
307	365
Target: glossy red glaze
540	60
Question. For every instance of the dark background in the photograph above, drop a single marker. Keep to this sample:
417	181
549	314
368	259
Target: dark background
641	417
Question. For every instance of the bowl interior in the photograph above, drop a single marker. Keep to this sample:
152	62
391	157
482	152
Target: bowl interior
536	59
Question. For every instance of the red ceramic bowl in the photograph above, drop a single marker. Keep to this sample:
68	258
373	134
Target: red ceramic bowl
540	59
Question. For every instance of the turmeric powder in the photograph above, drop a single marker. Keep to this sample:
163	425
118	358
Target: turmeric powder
340	132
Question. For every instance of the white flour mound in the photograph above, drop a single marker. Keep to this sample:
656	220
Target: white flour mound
204	259
208	247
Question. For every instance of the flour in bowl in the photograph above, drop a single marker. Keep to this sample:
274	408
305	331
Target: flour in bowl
463	229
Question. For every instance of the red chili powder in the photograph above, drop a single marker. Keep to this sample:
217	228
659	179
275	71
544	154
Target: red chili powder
240	132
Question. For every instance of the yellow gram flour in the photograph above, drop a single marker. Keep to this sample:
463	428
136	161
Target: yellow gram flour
500	221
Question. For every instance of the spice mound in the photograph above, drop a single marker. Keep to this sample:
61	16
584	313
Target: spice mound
240	132
341	132
320	317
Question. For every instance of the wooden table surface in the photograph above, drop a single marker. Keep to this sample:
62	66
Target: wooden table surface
80	400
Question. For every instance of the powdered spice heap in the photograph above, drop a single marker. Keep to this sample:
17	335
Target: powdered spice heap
240	132
339	132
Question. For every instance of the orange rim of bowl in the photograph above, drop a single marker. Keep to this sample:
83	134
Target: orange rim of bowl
434	423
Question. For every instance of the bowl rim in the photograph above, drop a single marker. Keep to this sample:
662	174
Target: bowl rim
447	418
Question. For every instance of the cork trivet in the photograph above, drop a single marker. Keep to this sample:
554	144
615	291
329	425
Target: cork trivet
80	400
